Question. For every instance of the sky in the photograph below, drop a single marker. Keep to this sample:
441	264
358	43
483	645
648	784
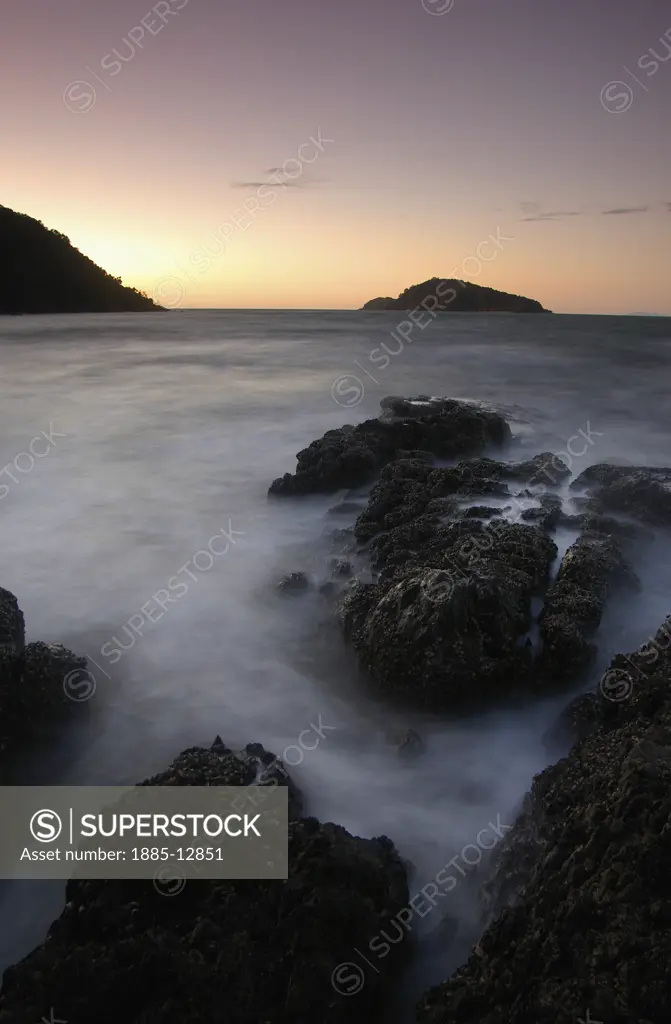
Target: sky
306	154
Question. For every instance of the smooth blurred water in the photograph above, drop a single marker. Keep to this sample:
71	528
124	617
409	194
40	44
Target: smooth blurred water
174	425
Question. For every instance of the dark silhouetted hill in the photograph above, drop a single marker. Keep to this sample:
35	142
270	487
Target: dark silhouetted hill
41	272
451	295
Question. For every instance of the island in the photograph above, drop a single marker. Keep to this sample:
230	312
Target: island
452	295
42	272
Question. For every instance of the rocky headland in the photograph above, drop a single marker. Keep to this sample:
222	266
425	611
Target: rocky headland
455	296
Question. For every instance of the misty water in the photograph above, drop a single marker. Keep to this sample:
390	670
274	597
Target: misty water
167	430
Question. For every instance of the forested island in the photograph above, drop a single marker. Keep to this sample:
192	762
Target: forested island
42	272
455	296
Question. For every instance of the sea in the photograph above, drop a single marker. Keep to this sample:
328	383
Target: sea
161	434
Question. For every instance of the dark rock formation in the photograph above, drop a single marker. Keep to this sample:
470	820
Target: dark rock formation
12	624
629	687
244	952
33	678
294	583
579	904
455	296
350	456
41	272
642	493
590	570
408	488
442	628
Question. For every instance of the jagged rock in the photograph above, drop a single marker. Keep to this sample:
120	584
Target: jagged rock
340	568
407	489
548	516
578	907
12	625
437	638
246	952
629	687
38	682
641	492
350	456
590	570
606	526
294	583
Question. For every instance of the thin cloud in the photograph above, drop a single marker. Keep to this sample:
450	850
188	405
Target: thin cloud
620	211
259	184
553	215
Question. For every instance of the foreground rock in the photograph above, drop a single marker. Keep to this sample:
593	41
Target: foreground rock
34	678
350	456
580	904
243	952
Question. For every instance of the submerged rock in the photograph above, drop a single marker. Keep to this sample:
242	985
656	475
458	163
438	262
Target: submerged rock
246	952
350	456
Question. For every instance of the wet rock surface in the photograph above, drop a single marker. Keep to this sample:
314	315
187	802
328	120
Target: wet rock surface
244	952
579	904
590	571
351	455
38	681
640	492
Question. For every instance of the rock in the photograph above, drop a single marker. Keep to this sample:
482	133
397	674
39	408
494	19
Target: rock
38	683
340	568
477	512
628	688
247	952
350	456
12	625
548	516
590	570
408	743
578	908
439	639
407	489
606	526
641	492
294	583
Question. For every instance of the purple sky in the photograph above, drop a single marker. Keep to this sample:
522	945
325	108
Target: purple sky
491	116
